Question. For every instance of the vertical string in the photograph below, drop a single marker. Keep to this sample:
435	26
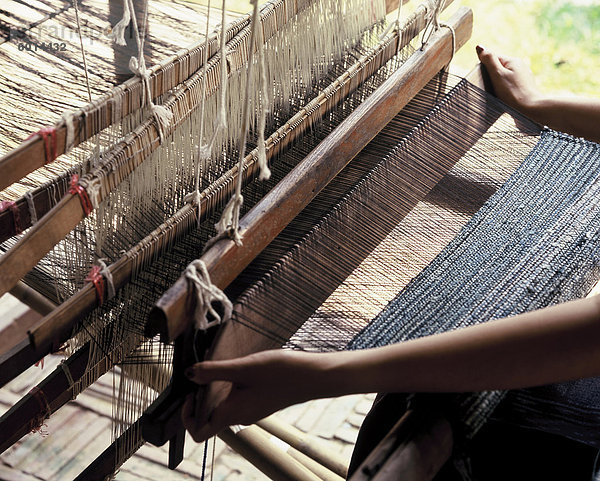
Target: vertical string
85	68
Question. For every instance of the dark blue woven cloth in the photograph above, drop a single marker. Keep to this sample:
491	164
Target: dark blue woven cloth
536	242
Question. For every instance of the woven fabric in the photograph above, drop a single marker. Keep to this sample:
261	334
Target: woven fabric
536	242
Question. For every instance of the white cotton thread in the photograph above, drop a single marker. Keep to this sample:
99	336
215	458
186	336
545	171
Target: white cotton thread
105	272
222	113
230	219
432	12
162	115
93	188
395	25
229	223
85	67
31	207
70	138
265	172
118	31
206	293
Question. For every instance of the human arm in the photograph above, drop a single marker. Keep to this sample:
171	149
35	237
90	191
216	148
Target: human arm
514	84
550	345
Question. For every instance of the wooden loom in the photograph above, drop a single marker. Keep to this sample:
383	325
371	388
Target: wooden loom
224	260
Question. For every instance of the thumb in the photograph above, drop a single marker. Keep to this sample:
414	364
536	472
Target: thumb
490	60
208	371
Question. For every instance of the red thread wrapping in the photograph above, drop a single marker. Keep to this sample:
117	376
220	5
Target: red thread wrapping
77	189
96	278
9	204
48	135
37	423
40	363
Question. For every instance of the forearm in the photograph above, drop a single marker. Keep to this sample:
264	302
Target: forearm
550	345
574	115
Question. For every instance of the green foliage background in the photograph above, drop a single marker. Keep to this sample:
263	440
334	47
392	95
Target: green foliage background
561	39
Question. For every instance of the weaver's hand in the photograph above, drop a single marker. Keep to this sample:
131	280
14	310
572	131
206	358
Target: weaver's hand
512	79
260	384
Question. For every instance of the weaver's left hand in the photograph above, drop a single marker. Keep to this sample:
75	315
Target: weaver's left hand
258	385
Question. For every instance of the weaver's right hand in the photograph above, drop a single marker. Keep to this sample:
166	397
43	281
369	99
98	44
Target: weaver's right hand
256	386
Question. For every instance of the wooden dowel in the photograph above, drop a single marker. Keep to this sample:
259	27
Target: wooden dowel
307	445
321	471
32	298
254	445
263	222
56	390
415	449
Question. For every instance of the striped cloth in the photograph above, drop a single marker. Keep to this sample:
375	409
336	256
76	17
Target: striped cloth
536	242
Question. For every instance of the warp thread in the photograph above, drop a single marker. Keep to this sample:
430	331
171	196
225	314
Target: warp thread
230	219
77	189
433	9
70	138
37	422
48	135
63	365
207	293
9	204
31	206
110	286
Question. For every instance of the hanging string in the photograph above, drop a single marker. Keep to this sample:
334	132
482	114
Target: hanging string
162	115
70	137
31	207
265	173
230	219
433	9
85	68
395	24
205	150
206	293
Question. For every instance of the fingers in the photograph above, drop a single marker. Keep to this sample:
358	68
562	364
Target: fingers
491	61
208	371
202	428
